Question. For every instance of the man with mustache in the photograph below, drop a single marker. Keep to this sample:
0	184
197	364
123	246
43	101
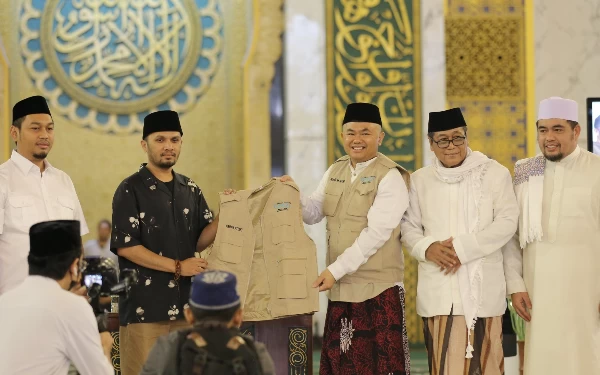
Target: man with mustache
552	264
462	212
31	189
160	223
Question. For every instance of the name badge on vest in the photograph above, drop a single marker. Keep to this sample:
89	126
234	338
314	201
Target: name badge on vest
232	227
332	179
282	206
367	180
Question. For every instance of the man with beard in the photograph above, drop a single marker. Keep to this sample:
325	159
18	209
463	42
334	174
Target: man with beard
552	264
160	222
31	189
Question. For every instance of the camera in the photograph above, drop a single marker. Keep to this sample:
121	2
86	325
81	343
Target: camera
89	280
99	275
129	277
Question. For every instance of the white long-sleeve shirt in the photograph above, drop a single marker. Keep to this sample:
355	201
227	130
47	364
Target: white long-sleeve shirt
391	201
45	328
432	216
28	197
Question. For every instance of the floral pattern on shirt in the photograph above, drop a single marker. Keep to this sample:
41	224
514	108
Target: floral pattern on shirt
167	222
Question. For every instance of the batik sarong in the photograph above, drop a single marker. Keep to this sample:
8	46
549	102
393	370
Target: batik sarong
366	338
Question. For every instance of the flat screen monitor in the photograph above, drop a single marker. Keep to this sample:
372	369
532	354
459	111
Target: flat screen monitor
593	126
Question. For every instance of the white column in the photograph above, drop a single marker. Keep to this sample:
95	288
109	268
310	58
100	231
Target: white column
306	111
433	58
567	53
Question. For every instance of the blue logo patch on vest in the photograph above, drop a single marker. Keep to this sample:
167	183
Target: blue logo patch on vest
282	206
367	180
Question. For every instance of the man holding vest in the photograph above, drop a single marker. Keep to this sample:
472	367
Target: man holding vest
160	220
363	195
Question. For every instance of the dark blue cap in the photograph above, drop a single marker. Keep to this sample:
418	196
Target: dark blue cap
214	290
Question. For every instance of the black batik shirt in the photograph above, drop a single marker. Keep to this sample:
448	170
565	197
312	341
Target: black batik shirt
146	212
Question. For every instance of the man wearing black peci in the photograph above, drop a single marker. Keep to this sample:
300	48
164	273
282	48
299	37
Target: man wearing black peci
160	222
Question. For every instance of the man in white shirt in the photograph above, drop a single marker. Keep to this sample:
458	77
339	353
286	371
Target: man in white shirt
100	247
31	190
552	265
363	195
462	211
44	326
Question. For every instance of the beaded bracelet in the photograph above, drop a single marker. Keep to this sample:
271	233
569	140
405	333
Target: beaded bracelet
177	270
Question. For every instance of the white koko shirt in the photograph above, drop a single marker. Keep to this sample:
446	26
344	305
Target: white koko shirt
45	328
28	197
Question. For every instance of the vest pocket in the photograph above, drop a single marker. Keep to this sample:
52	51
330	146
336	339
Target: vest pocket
283	228
230	249
330	204
361	200
292	279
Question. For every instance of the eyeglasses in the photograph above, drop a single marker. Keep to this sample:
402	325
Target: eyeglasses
444	143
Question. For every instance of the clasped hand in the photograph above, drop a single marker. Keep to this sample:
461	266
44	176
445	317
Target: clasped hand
444	255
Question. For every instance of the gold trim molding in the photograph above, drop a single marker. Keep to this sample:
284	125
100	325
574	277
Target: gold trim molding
259	70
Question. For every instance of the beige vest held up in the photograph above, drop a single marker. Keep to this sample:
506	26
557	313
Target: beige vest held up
346	206
261	239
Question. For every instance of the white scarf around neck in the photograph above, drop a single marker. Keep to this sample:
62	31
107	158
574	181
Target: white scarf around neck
469	176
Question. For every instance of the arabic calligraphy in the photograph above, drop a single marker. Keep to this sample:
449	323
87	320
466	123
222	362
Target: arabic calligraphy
373	58
113	61
121	51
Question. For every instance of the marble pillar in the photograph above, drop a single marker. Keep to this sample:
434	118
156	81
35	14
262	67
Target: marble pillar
306	111
433	65
567	53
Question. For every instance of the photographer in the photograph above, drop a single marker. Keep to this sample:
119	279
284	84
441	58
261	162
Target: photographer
214	344
44	326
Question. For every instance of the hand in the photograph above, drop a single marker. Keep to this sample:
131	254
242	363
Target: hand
80	290
453	270
229	191
443	254
325	281
286	178
522	305
107	342
193	266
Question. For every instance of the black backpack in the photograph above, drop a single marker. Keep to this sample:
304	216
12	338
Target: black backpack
216	351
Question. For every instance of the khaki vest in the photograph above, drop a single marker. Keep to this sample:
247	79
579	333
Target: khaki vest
261	239
346	206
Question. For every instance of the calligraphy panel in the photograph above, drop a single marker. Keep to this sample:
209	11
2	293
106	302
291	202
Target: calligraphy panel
373	57
99	150
106	64
486	75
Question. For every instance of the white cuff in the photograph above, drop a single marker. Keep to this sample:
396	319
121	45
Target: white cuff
515	286
461	244
336	270
421	247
